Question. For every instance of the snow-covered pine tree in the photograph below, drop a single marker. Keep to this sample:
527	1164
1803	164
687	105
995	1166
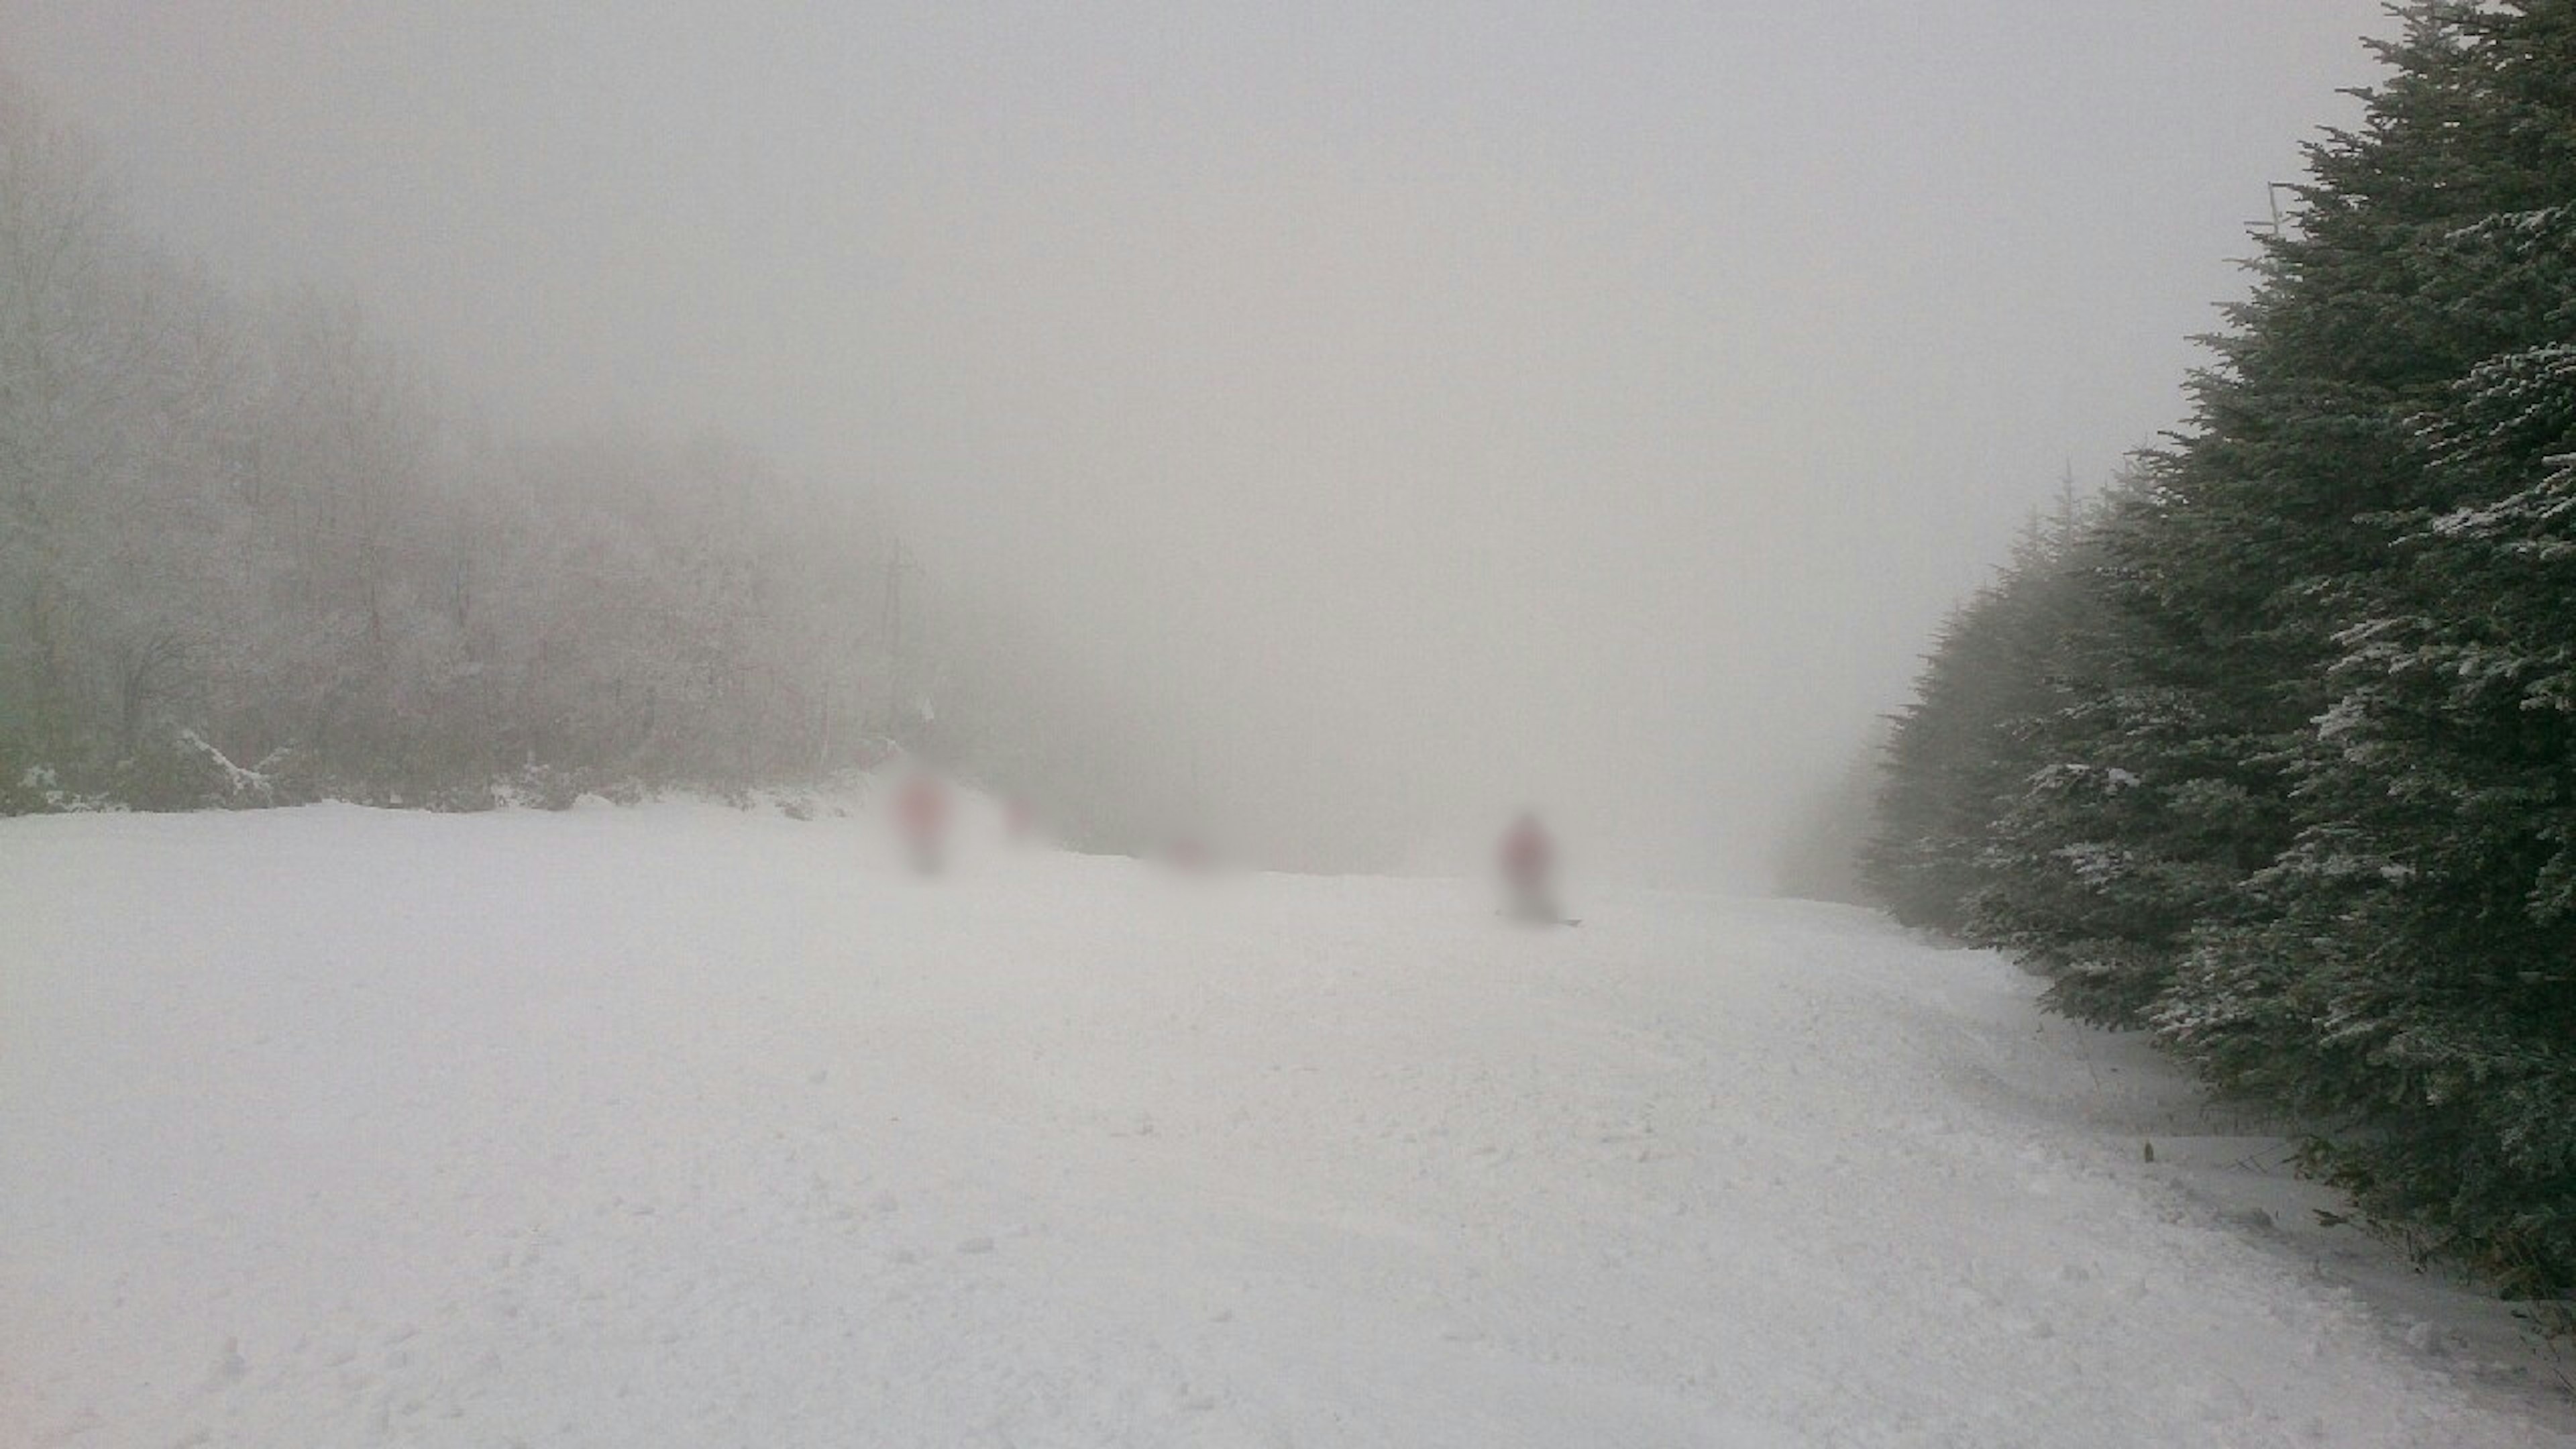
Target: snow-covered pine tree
2405	968
258	536
2307	802
1959	751
2095	866
2227	566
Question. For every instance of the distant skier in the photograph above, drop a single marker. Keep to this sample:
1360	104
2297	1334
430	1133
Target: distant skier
921	812
1189	854
1529	871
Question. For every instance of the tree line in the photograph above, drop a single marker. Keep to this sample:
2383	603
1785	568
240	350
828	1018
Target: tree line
249	555
2271	749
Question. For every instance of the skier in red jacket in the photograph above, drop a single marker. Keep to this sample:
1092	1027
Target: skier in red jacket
921	811
1529	870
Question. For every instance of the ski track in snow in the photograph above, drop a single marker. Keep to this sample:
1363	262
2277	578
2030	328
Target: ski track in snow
679	1126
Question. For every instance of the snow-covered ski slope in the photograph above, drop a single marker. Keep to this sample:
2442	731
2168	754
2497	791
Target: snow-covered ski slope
682	1126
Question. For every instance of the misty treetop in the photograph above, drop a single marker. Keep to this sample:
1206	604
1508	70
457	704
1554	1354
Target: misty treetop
2272	749
247	554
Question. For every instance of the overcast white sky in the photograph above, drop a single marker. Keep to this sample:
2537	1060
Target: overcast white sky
1417	409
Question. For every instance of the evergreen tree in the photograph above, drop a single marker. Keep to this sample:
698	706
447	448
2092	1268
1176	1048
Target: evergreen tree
249	556
2405	970
2306	797
1962	749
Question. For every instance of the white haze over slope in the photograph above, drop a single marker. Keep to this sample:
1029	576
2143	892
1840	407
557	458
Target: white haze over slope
1399	414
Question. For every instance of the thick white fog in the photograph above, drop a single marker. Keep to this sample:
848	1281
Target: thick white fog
1401	414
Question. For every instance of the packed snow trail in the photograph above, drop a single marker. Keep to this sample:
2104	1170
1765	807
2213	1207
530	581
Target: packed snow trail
678	1126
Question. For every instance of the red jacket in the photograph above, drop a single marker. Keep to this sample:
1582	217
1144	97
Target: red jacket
1526	853
923	806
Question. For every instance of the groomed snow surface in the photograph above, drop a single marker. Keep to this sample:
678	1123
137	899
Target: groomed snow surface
684	1126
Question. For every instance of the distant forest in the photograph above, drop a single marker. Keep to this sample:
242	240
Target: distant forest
2271	749
250	554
